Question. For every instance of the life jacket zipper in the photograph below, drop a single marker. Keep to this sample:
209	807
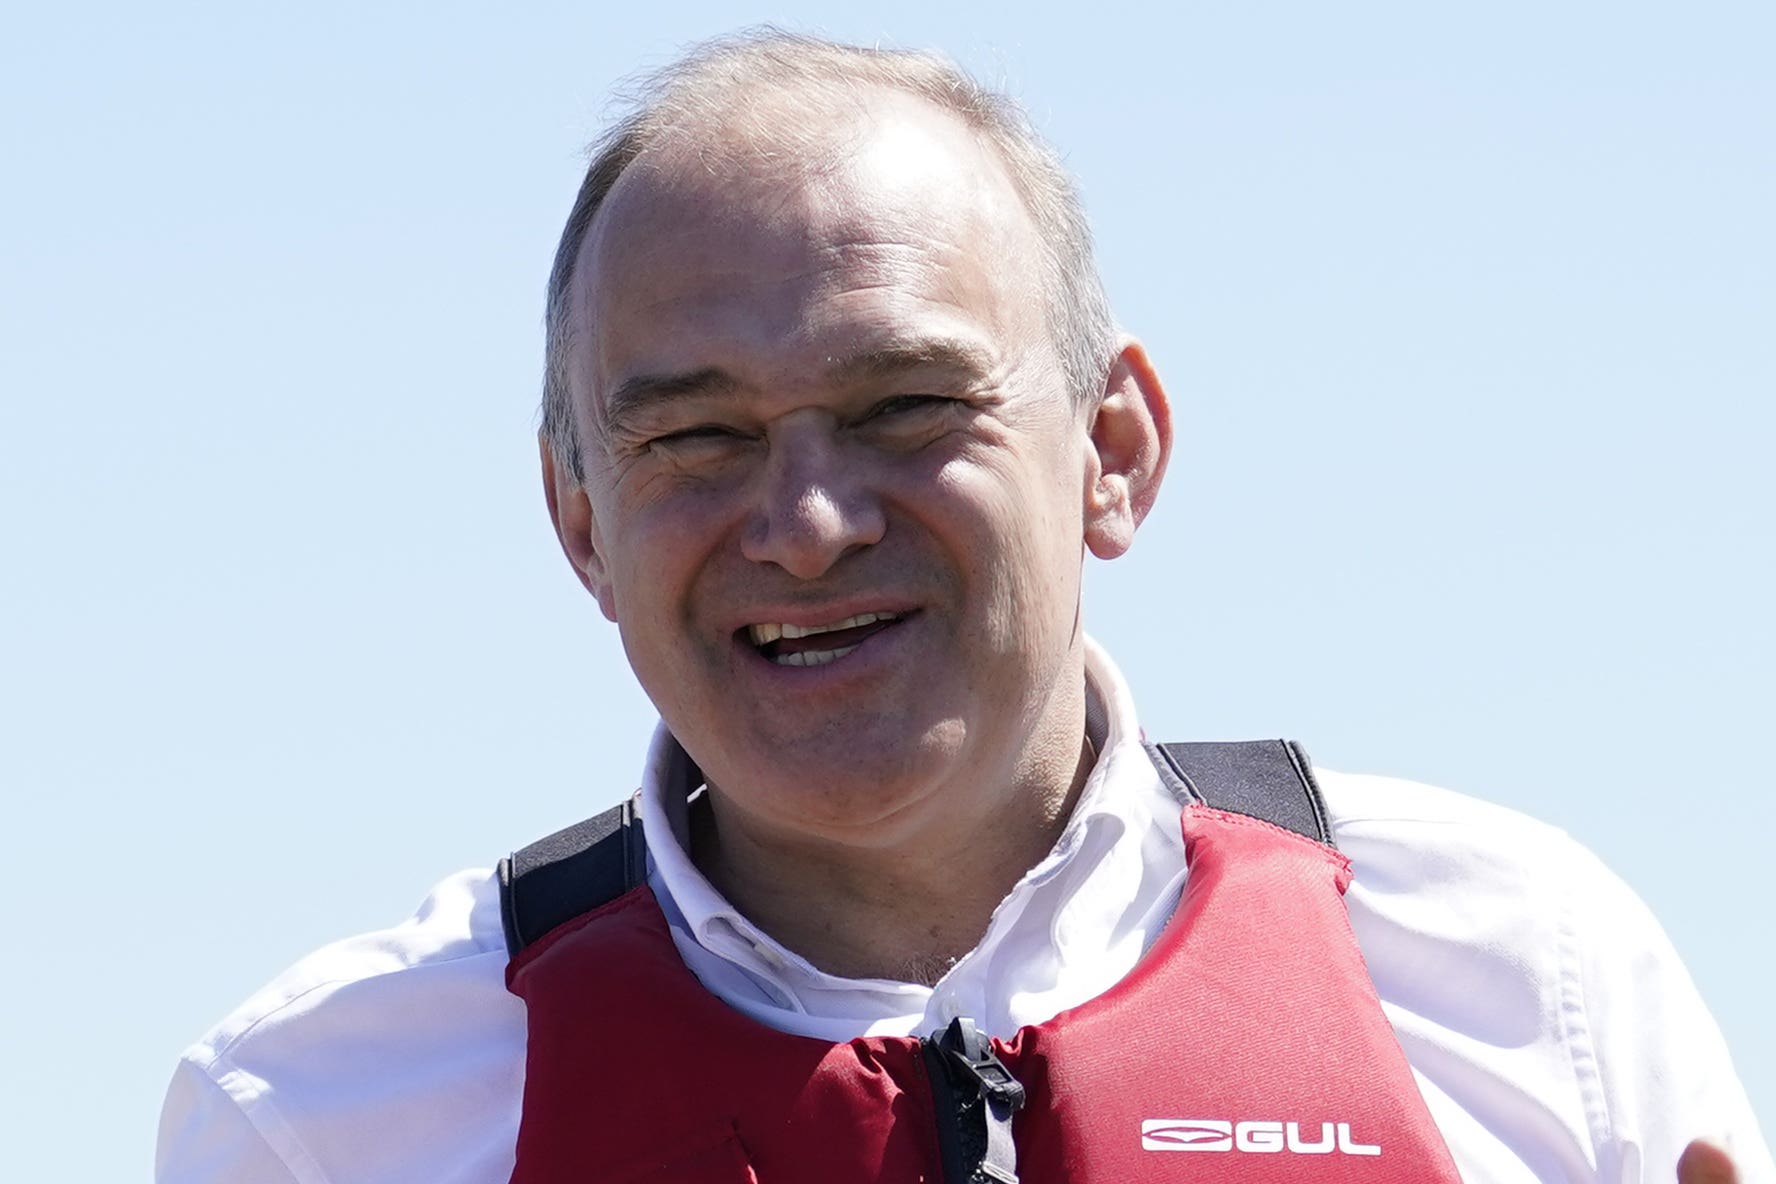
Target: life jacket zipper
974	1097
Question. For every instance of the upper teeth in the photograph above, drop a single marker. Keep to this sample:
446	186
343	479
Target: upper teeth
765	634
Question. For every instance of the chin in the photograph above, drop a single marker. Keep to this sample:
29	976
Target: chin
859	785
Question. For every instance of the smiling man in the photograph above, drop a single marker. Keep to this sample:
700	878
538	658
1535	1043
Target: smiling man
834	410
833	489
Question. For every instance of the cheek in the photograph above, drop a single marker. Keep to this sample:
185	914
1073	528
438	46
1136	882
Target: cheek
1016	539
665	526
662	553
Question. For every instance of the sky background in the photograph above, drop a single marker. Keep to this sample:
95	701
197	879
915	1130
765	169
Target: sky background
1467	313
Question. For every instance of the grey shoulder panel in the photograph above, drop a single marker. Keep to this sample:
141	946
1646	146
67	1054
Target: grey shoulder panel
1268	779
571	872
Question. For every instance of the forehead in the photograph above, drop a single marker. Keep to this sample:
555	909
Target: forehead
889	218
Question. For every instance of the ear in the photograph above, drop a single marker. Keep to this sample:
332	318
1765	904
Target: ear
1131	441
570	510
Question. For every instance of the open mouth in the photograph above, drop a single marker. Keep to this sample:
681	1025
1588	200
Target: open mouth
816	645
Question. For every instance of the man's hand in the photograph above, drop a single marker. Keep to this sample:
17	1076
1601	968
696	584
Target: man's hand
1705	1163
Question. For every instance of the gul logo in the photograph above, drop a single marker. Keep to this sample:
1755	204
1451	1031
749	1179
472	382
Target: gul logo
1219	1134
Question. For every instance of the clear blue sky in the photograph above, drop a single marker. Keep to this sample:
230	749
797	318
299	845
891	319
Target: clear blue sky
1470	318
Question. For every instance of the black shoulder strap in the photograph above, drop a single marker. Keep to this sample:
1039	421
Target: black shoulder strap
591	863
1267	779
573	871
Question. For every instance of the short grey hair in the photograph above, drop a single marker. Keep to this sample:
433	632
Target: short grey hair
713	76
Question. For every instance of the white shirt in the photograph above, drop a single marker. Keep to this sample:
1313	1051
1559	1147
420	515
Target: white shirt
1549	1024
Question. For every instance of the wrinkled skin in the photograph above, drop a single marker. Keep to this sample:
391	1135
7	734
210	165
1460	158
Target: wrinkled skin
811	391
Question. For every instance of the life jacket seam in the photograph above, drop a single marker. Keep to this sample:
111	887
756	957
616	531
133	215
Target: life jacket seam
548	940
1337	859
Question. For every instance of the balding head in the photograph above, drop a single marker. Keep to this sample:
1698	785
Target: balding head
768	106
879	190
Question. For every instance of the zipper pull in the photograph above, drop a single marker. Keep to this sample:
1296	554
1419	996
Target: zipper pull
969	1061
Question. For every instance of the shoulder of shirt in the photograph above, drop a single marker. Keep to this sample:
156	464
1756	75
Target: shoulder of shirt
1353	799
1489	927
1450	858
1370	815
1524	975
458	920
397	1054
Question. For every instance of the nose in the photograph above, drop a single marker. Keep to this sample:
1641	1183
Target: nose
813	504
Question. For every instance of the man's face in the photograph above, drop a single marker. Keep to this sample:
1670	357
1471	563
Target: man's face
836	488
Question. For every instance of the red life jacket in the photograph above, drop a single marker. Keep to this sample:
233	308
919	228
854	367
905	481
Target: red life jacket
1247	1045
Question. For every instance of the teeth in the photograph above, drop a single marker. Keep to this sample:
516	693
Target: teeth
765	634
813	657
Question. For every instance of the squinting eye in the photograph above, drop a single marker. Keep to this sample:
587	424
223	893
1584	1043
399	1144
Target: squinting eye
704	444
904	404
709	433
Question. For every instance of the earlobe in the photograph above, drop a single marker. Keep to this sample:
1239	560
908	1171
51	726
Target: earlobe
1131	441
570	512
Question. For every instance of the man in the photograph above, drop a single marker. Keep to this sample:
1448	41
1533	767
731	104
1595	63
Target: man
834	407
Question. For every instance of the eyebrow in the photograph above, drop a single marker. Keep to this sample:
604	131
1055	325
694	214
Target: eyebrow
642	391
941	353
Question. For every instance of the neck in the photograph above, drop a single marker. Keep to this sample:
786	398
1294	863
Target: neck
905	912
